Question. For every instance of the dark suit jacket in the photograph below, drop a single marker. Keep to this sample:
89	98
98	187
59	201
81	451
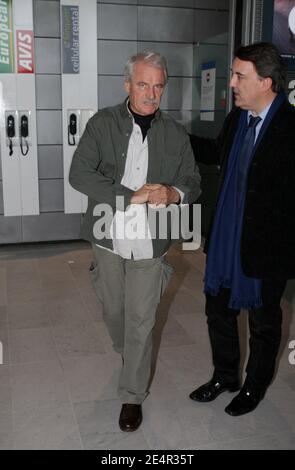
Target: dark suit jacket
268	234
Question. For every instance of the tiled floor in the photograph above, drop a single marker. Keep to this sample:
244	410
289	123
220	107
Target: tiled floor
59	374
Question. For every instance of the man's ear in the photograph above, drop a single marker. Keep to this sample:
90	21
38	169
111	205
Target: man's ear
267	83
127	86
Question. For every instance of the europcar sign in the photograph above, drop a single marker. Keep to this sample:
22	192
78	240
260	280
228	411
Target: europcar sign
6	37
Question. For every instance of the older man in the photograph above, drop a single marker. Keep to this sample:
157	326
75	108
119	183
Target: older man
138	156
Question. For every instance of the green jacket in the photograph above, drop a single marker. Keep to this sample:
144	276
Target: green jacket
99	161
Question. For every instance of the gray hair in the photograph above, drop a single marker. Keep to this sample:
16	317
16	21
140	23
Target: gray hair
149	57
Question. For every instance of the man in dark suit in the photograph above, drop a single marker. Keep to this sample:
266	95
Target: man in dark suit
251	243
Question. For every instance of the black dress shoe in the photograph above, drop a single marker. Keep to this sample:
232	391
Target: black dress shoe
213	388
130	417
245	402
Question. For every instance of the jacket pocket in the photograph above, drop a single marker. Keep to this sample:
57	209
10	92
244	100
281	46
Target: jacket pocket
95	279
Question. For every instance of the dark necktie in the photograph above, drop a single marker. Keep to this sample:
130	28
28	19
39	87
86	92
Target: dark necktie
246	151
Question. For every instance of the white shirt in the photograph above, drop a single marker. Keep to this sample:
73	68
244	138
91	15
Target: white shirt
262	115
130	232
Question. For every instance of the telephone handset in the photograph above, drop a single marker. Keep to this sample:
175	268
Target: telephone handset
10	131
10	126
24	126
24	132
72	129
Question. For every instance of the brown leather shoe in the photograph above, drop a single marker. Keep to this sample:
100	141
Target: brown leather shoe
130	417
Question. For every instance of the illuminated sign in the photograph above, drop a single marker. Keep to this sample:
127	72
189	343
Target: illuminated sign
292	94
25	51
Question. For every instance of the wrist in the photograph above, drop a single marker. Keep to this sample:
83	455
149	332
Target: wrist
175	196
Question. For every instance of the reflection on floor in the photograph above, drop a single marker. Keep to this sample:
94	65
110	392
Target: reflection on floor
59	373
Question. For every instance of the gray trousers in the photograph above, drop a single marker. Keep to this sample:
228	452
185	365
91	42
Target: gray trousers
130	292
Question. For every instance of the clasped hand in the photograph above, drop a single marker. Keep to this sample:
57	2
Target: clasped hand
156	194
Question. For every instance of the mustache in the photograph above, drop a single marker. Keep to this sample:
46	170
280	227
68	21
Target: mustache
147	101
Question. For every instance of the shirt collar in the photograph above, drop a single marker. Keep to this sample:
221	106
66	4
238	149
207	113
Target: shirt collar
262	115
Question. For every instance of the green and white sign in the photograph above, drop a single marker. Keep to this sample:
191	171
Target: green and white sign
6	37
70	39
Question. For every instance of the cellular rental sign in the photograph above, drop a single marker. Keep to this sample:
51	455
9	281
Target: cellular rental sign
70	39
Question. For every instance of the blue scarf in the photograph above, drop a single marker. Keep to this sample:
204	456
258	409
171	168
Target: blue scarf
223	269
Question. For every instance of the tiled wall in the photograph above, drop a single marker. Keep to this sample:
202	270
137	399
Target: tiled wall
172	27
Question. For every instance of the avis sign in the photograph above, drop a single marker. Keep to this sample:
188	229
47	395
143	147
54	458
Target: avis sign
25	51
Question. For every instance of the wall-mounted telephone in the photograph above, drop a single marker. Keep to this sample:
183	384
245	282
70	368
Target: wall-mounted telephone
24	126
24	132
72	129
10	131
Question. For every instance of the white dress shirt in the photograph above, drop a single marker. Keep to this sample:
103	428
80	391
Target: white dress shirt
262	115
130	232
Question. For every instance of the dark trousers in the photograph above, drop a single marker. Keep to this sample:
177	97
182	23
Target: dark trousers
265	336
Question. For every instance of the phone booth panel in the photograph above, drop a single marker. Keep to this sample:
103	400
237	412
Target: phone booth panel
79	84
18	112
